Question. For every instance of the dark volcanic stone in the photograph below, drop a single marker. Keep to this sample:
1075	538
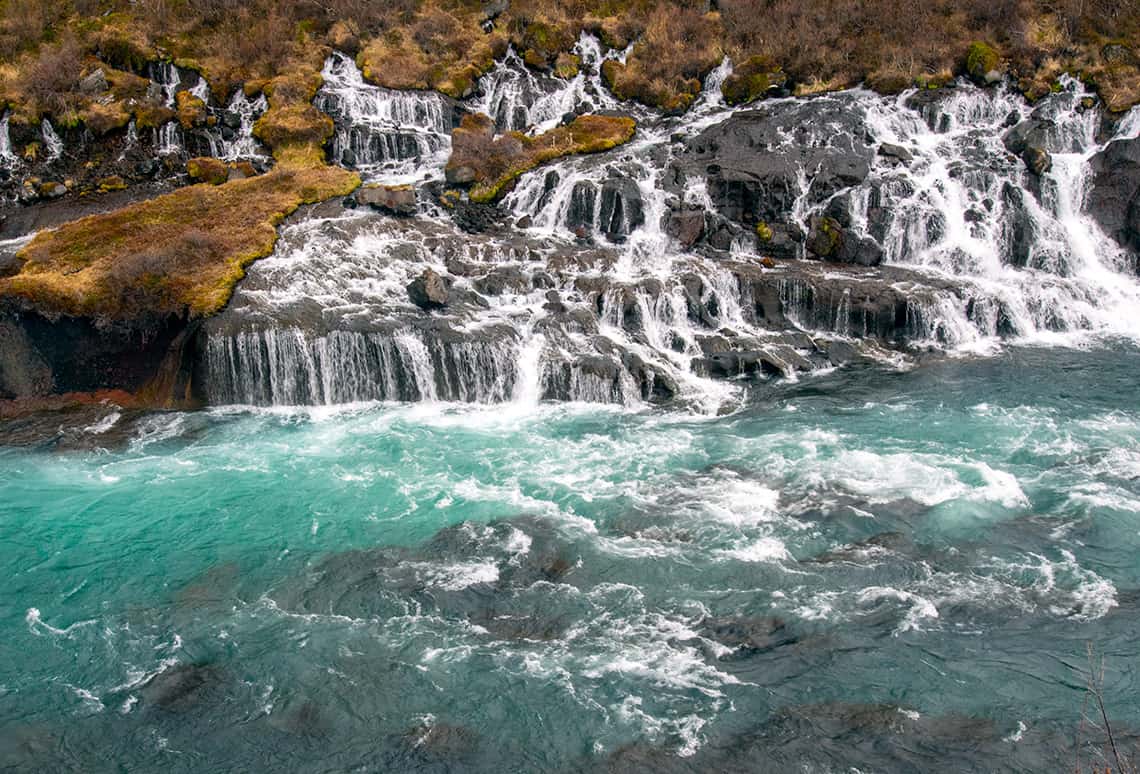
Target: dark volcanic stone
398	200
428	291
1114	200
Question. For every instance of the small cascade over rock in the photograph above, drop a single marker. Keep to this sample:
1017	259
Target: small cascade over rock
52	145
7	157
519	99
228	136
388	135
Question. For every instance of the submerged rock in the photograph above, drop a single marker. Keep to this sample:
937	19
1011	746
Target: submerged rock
180	687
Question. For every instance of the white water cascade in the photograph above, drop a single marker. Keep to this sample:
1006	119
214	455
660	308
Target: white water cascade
53	145
596	294
389	135
7	156
230	139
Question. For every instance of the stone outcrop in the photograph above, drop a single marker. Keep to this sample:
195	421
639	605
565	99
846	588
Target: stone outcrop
1114	200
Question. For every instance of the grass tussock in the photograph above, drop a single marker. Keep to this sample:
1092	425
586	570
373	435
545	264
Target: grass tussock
181	253
493	162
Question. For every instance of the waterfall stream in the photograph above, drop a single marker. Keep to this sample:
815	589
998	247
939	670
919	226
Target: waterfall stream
592	295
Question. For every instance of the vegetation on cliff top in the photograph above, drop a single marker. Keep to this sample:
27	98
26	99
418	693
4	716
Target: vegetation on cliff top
492	163
181	253
49	45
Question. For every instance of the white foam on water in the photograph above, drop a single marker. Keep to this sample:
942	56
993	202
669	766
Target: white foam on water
460	575
39	627
919	610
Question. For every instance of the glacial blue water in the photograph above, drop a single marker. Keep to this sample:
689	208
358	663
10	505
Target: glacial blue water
891	571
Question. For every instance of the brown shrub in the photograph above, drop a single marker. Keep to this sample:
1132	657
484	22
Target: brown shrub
51	80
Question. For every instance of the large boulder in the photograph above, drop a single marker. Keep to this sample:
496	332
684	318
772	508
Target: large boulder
620	210
1114	199
394	199
687	226
583	198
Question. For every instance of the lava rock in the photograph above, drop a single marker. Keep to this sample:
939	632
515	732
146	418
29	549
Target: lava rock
94	83
621	208
825	239
686	226
1037	160
397	200
429	290
1114	199
580	213
895	152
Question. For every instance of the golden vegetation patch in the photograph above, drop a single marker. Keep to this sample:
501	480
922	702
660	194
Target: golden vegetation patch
179	253
492	163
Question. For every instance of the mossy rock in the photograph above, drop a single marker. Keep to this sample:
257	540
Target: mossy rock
151	115
535	60
112	183
191	110
180	253
103	119
207	170
764	231
753	79
567	65
492	164
982	62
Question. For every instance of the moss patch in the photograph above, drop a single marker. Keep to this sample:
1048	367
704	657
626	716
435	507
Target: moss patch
207	170
191	110
496	162
981	60
752	80
179	253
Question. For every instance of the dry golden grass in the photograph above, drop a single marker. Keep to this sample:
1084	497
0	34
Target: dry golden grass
498	161
179	253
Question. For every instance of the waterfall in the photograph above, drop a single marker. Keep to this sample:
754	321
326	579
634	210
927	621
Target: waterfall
964	209
230	138
389	135
594	295
7	156
291	367
234	140
53	145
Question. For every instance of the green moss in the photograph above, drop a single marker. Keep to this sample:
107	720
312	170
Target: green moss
191	110
764	231
207	170
981	60
567	65
753	79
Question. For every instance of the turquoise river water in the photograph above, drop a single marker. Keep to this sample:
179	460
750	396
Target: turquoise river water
865	570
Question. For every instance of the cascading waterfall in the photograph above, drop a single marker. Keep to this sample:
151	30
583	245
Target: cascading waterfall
1029	260
53	145
974	247
387	134
292	367
231	139
7	156
168	80
235	140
